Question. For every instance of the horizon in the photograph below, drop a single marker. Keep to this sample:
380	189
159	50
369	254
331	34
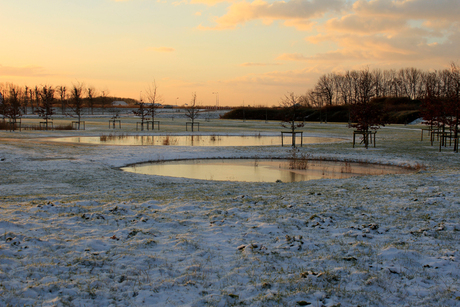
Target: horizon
228	53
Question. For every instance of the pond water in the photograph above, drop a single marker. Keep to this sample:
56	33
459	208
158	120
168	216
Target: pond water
191	140
262	170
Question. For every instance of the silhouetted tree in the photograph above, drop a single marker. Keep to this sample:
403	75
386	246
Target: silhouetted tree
25	100
90	95
366	117
192	111
12	104
105	101
142	111
291	104
62	97
152	100
36	99
76	102
45	108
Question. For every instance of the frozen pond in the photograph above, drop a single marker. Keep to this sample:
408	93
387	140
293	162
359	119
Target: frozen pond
191	140
262	170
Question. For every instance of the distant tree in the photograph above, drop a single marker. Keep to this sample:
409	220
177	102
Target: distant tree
2	95
45	108
76	102
325	90
366	117
305	100
105	101
30	95
62	97
152	100
2	103
142	111
36	99
12	104
291	104
90	98
454	101
434	104
192	111
345	88
25	100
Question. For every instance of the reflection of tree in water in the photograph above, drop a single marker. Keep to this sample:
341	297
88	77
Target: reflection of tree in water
298	160
112	137
346	167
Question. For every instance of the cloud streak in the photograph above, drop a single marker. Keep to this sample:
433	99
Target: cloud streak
28	71
295	12
250	64
414	9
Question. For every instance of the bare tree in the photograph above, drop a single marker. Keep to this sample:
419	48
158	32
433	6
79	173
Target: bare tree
364	114
142	111
2	103
36	98
365	86
12	104
105	101
192	110
76	102
291	105
45	109
305	100
90	95
454	101
152	100
62	97
325	88
378	82
344	84
25	100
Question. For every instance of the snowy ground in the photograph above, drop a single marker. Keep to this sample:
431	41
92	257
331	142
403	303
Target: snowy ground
77	231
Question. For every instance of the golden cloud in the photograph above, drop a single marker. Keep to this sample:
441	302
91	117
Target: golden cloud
365	24
292	57
296	12
413	9
28	71
250	64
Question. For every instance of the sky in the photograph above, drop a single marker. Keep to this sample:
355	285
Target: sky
230	52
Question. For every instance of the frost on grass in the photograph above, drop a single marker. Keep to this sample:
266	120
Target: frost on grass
77	232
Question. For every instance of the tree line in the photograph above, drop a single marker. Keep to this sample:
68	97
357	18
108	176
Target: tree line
18	100
360	86
438	91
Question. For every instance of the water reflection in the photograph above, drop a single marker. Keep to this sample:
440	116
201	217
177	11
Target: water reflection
189	140
261	170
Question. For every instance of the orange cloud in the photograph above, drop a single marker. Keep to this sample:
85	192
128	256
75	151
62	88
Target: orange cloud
413	9
365	24
295	13
292	57
258	64
28	71
210	2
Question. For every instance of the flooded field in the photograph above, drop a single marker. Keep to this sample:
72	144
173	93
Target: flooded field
262	170
191	140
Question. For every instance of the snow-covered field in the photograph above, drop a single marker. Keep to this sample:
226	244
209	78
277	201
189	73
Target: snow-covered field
77	231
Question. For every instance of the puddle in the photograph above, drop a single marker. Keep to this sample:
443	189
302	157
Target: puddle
191	140
251	170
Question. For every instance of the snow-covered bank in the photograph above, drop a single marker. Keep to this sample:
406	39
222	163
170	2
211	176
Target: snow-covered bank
76	231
